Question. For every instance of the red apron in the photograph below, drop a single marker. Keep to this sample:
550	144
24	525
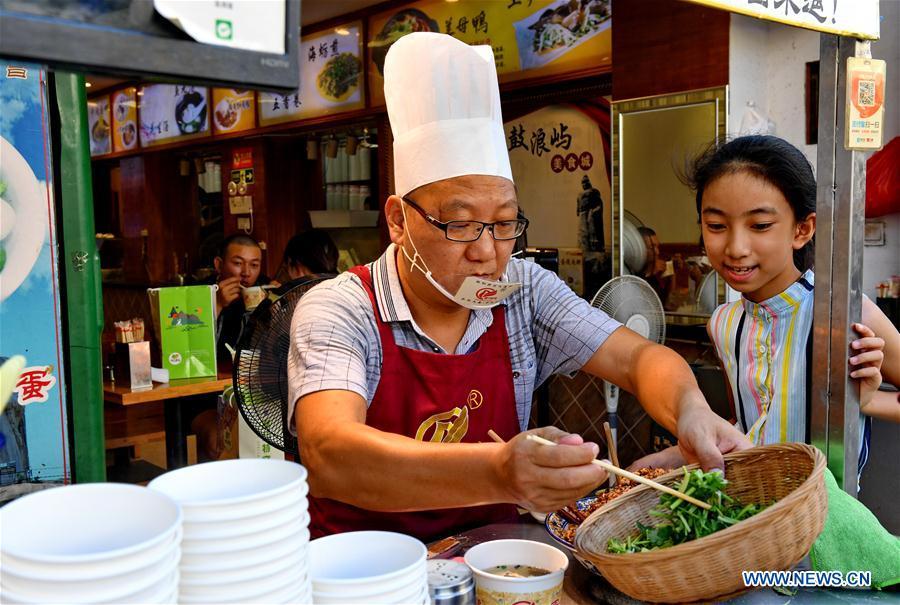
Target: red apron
439	398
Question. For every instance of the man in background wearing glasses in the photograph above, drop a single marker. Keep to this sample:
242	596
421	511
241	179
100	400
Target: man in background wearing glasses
399	369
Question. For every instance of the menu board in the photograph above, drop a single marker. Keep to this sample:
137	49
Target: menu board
99	125
556	153
857	19
530	38
331	78
124	119
171	112
233	110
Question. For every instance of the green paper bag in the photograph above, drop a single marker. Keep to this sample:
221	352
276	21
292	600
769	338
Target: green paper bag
187	329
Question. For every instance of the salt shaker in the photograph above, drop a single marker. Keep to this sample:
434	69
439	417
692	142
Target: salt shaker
450	583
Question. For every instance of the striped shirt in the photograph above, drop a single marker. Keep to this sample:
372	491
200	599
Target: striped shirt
765	351
335	342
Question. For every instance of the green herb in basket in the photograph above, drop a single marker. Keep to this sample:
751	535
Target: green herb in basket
680	521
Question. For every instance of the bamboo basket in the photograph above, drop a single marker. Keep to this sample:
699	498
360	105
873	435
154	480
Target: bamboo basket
791	474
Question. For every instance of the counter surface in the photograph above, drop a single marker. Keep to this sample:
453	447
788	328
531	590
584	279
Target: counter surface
186	387
582	587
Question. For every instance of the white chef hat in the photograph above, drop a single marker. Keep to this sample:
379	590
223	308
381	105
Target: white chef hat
443	102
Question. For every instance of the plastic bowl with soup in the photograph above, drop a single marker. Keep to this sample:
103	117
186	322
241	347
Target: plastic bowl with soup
512	571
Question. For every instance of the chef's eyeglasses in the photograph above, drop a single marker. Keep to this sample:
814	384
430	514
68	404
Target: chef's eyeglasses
470	231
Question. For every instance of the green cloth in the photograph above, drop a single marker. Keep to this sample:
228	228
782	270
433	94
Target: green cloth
854	540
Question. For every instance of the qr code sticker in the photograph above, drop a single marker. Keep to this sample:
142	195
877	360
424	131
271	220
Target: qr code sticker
866	93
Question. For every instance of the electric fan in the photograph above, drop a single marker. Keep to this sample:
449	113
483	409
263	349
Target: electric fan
634	250
260	366
630	300
707	299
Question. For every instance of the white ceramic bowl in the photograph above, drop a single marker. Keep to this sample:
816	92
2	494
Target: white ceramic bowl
151	582
289	594
370	559
169	599
226	483
294	510
402	584
165	591
238	559
260	538
90	522
48	587
305	597
211	576
411	593
247	590
199	513
93	569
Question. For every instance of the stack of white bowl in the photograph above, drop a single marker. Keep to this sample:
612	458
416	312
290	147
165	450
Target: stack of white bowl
246	535
368	567
90	543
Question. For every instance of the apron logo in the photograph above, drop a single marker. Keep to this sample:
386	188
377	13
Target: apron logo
450	426
446	427
485	293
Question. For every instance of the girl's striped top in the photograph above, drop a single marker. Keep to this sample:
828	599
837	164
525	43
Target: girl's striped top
766	352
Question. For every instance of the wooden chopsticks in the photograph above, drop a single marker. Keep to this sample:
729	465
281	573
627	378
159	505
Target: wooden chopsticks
613	451
611	445
629	475
495	436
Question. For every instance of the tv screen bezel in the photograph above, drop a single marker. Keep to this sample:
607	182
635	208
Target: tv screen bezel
102	50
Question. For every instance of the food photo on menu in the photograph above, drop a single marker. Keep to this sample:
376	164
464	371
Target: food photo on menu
339	77
550	33
99	127
170	111
226	114
124	120
404	22
190	112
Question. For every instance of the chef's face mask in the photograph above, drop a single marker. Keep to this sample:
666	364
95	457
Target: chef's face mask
474	293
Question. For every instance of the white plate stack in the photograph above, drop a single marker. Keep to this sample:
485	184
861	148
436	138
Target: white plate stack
368	567
246	531
90	543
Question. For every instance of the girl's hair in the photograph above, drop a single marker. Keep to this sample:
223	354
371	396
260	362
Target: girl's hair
770	158
314	249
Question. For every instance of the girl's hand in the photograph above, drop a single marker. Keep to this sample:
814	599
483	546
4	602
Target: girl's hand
865	363
668	458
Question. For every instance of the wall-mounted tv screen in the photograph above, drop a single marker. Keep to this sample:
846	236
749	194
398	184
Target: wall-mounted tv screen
233	43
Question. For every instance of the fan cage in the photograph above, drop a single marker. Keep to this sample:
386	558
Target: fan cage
260	368
628	295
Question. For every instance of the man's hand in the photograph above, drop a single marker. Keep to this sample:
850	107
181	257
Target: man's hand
704	437
228	292
544	478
